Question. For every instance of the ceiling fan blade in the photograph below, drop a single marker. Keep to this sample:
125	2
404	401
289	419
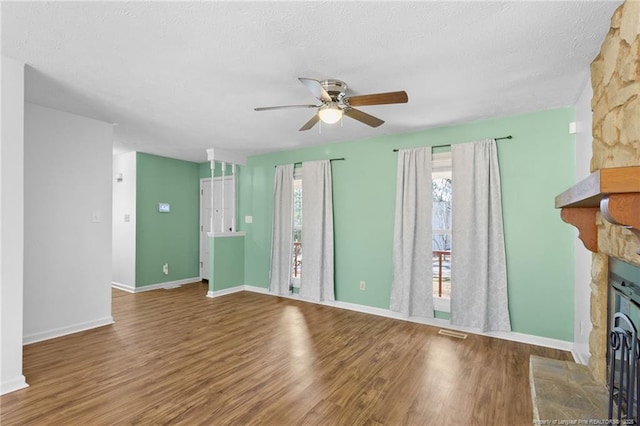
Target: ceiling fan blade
378	99
363	117
316	88
286	107
309	124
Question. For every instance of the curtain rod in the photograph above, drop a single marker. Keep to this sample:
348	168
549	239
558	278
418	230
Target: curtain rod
442	146
331	159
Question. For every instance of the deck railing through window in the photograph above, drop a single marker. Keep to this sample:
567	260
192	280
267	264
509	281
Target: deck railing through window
297	258
443	257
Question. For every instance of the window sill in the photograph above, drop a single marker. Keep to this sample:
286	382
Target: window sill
441	304
226	234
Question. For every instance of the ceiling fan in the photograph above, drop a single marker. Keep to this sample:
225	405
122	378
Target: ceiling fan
335	103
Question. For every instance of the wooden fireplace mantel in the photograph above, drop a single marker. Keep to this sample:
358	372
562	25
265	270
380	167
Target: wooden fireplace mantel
614	192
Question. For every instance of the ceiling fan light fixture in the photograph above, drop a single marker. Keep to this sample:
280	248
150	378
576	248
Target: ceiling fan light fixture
330	113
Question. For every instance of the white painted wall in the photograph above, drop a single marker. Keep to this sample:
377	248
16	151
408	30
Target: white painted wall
67	257
124	233
11	225
582	263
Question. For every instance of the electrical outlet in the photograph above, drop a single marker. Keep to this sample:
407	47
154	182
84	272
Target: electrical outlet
165	269
362	285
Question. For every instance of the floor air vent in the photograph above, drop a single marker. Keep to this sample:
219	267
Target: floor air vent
452	333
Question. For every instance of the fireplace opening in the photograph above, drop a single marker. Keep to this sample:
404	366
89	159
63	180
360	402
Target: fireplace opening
623	349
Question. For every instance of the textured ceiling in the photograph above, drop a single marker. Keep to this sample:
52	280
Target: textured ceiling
181	77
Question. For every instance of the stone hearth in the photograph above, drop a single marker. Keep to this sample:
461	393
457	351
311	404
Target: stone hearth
565	390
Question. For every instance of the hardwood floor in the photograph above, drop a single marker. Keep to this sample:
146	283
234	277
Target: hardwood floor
177	357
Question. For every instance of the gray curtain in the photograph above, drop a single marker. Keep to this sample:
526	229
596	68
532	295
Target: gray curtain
316	282
478	262
412	287
282	231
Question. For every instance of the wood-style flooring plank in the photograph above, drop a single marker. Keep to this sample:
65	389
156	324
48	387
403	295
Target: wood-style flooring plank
177	357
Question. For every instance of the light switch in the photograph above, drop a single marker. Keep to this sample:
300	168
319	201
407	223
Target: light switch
248	219
95	217
127	218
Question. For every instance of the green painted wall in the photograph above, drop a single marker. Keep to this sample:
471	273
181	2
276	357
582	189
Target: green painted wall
204	170
535	166
442	315
166	237
226	254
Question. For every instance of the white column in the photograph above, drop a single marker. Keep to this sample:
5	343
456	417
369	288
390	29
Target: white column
211	191
12	226
235	202
224	175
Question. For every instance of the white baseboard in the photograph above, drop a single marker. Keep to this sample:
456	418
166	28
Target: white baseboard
359	308
123	287
530	339
236	289
63	331
581	354
13	385
435	322
255	289
164	285
224	292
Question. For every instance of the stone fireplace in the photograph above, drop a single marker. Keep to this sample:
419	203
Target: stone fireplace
615	78
605	207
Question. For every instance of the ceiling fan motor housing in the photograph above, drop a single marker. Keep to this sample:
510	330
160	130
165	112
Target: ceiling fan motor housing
335	88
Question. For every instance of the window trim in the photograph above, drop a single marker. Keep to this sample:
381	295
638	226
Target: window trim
442	304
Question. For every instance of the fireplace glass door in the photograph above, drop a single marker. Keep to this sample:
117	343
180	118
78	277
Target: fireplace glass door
622	349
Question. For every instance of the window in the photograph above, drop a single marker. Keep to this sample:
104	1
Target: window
441	225
297	228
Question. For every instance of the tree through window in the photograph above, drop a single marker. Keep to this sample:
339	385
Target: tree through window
297	230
